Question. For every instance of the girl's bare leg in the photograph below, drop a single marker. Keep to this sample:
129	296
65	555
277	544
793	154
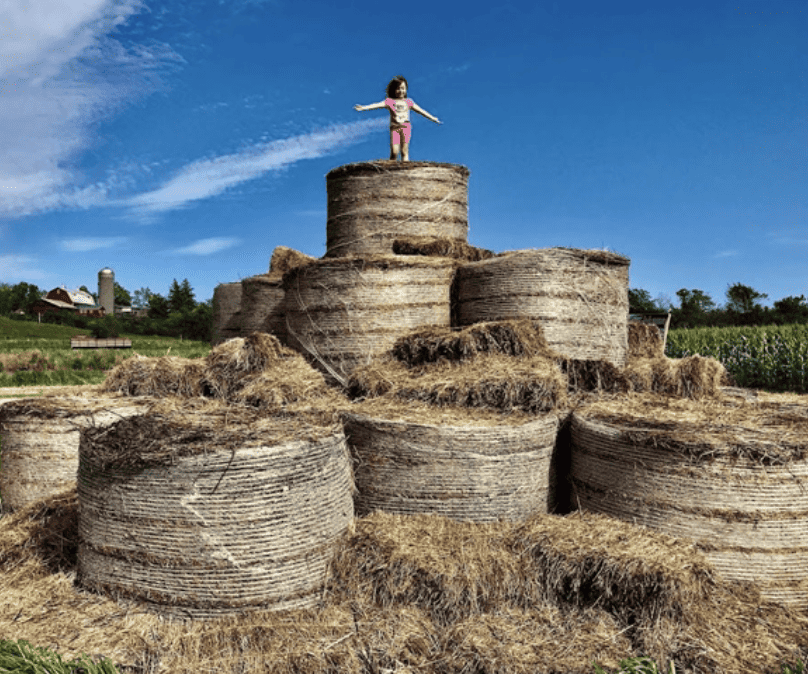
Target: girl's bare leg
405	152
394	151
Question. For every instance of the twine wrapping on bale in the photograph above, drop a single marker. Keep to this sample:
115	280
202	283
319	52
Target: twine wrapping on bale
454	248
341	313
580	297
226	317
728	474
207	510
469	472
370	204
39	438
262	305
162	376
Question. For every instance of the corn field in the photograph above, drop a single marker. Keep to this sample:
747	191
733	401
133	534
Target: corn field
774	358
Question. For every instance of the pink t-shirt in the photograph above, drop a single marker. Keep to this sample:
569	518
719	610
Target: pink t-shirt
399	111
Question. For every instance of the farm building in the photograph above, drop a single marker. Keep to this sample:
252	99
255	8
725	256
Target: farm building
60	299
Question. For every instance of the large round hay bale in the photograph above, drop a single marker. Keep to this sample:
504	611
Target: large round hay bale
470	468
730	475
342	312
39	443
580	297
370	204
226	305
212	510
262	305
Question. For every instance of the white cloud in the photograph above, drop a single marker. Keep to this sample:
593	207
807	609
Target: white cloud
59	72
92	243
16	268
208	246
726	253
208	177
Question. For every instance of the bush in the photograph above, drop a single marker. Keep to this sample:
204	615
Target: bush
109	326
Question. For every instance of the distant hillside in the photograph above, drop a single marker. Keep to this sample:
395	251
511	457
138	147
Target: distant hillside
10	329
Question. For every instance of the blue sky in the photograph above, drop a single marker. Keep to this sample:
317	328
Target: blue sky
188	138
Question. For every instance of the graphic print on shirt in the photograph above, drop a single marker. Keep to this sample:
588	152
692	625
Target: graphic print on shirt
399	111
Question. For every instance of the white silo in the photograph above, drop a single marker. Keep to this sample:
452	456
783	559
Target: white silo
106	290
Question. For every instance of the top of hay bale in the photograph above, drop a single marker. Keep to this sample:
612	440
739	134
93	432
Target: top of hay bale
368	262
387	165
768	430
283	259
167	431
78	406
586	254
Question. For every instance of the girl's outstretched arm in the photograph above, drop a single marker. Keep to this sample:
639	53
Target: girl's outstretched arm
423	112
372	106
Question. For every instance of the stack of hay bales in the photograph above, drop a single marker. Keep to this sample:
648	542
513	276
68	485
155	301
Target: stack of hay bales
726	473
208	509
39	438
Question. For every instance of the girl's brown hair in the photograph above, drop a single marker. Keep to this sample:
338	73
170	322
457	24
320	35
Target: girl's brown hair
391	88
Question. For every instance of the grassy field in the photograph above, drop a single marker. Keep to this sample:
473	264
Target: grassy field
774	358
33	354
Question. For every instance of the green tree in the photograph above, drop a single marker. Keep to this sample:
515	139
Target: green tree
639	300
693	309
158	306
792	309
743	299
5	299
181	296
140	298
122	296
24	296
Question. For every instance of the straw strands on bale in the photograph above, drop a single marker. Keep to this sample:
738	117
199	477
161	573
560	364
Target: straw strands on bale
644	341
611	579
454	248
262	305
343	312
580	297
729	474
226	305
162	376
39	438
370	204
283	259
212	510
469	472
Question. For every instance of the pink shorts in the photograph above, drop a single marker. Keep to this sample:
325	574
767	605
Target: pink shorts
401	134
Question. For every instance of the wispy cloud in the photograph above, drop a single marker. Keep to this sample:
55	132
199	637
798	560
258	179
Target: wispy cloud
726	253
16	268
208	177
59	73
92	243
208	246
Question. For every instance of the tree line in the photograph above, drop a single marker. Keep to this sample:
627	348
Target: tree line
743	307
176	314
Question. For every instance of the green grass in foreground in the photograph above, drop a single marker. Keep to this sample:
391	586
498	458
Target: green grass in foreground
33	354
20	657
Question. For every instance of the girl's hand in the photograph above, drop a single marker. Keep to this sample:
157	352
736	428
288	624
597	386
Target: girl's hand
358	107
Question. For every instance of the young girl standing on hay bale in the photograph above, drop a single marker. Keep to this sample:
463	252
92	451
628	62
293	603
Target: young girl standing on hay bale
399	106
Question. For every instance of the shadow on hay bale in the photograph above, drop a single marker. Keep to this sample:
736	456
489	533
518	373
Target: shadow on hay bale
729	475
226	321
453	248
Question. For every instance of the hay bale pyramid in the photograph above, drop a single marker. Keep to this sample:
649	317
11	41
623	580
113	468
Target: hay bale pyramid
418	455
